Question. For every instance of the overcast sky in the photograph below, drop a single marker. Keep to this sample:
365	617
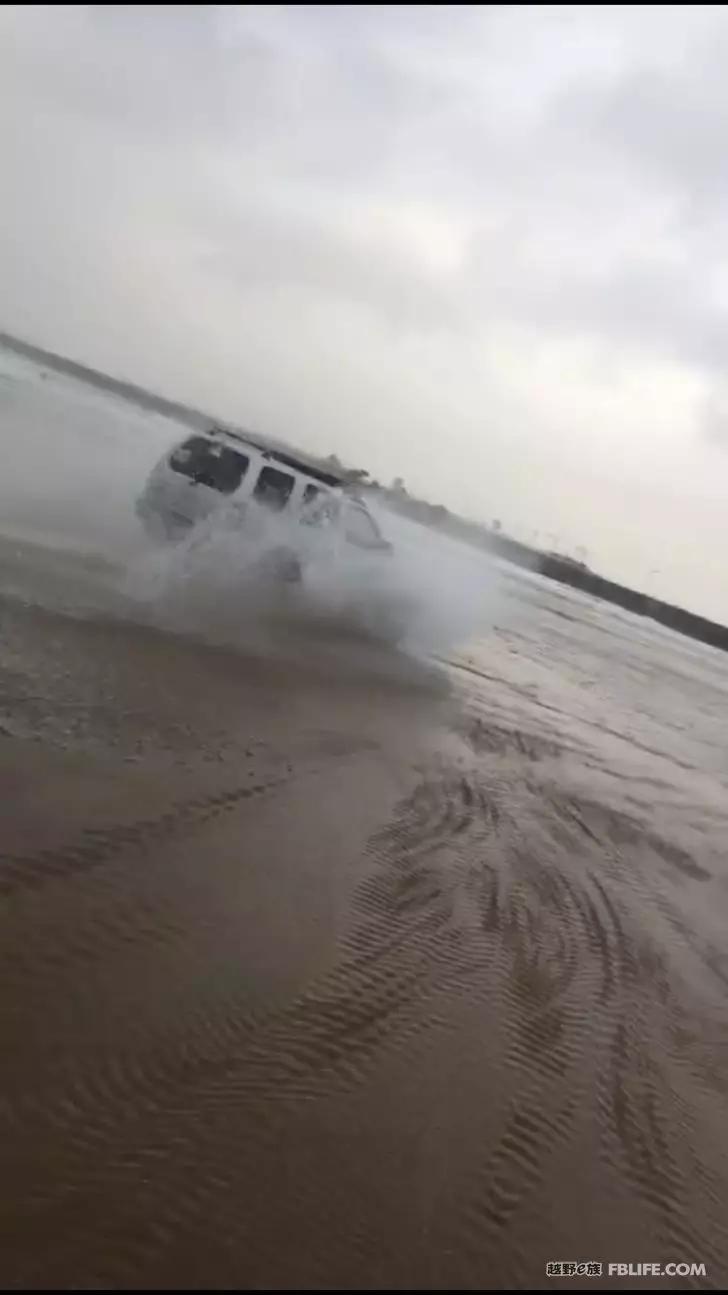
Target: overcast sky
482	248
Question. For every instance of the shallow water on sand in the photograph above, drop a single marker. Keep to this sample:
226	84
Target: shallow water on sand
360	976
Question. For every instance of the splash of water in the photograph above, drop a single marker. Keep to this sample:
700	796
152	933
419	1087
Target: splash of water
427	595
79	459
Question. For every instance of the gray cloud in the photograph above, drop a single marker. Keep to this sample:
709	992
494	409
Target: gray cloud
264	132
264	252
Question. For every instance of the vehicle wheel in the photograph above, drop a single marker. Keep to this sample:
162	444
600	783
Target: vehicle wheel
281	564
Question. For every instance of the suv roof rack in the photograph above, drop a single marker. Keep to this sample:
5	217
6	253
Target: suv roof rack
300	462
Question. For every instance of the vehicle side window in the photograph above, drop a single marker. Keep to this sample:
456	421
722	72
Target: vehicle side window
360	528
311	492
273	488
324	511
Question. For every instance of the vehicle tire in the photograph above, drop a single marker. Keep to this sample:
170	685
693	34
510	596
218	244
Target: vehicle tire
283	565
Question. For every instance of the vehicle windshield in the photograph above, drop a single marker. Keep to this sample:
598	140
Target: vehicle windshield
209	463
360	528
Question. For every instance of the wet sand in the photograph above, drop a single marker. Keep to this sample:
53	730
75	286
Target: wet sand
333	969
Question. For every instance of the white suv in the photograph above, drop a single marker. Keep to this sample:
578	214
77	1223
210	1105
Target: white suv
219	475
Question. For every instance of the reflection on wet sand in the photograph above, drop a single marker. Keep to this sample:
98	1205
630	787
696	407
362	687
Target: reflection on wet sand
366	974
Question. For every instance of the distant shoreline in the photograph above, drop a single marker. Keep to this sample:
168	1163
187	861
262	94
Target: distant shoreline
555	567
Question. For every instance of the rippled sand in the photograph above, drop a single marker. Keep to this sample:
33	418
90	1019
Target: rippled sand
359	973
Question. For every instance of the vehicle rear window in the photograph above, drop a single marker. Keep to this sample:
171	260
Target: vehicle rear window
208	463
273	488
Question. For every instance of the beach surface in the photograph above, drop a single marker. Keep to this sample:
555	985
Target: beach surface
324	964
